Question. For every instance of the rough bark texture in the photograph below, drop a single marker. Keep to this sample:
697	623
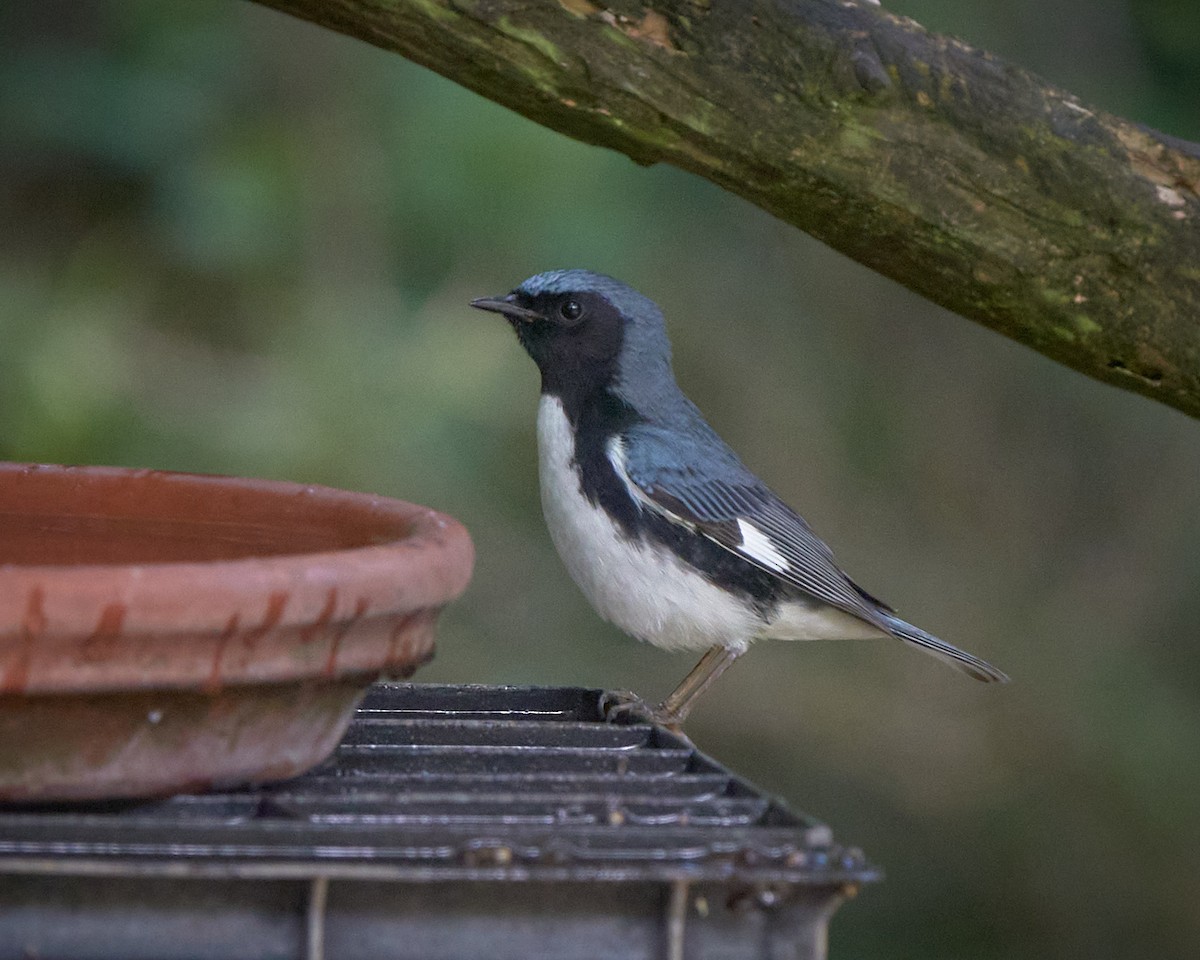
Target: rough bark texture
961	176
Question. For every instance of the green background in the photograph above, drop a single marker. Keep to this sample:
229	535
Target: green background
232	242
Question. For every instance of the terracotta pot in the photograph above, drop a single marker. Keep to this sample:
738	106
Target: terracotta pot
162	632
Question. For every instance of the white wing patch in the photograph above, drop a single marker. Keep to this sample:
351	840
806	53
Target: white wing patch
649	592
759	547
616	457
756	546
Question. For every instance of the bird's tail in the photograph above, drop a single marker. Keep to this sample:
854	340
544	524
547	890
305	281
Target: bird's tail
959	659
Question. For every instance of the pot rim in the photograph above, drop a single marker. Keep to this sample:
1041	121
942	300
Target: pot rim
428	565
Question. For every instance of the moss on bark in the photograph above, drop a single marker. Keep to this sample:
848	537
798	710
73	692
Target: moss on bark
963	177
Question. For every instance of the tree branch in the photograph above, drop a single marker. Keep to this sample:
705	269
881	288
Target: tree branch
941	166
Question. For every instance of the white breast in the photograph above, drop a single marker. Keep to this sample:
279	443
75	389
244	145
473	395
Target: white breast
644	589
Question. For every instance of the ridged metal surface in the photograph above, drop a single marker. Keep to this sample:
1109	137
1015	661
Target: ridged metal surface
442	783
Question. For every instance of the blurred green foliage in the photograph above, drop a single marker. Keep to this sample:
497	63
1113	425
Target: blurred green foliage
231	242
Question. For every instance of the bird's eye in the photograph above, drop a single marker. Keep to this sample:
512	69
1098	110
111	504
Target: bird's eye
570	310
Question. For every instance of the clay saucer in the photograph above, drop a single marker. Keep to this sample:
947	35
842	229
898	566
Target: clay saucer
164	632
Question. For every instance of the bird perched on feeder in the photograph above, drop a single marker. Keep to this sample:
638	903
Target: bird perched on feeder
669	535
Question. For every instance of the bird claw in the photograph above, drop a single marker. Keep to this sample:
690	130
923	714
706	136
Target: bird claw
625	706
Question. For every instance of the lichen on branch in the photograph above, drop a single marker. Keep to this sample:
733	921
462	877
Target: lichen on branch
961	176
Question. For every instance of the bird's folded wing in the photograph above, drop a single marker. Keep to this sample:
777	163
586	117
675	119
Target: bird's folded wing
723	501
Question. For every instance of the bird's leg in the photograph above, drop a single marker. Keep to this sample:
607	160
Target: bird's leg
679	702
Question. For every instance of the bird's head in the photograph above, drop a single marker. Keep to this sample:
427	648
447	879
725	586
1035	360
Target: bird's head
586	331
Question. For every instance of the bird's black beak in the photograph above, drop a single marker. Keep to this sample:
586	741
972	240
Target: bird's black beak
507	306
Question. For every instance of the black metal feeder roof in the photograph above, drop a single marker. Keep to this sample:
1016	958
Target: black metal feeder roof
452	822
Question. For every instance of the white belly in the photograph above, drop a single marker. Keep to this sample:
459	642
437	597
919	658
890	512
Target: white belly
646	591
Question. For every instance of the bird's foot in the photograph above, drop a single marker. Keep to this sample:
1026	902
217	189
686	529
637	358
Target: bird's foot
625	706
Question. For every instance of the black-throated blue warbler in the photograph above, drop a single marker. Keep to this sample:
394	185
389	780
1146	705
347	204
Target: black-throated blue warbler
668	534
